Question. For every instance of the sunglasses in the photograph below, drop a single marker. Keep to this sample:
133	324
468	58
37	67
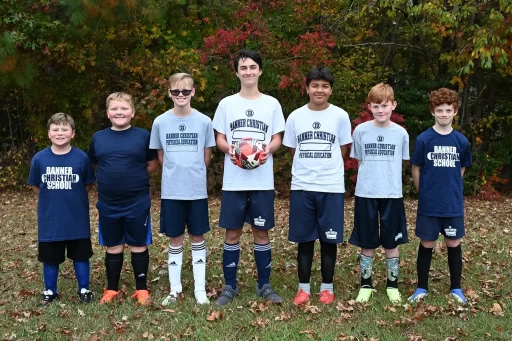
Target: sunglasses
177	92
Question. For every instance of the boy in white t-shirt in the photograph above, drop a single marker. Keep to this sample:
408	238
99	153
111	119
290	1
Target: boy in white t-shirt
318	135
183	138
379	214
248	195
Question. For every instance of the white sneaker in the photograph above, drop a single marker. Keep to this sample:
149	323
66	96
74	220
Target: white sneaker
171	298
201	297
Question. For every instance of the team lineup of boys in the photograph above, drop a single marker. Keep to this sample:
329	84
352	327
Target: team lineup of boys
318	134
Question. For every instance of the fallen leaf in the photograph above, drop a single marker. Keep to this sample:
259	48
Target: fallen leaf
496	309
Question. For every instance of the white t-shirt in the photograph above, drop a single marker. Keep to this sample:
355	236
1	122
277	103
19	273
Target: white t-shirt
381	151
183	141
237	117
317	137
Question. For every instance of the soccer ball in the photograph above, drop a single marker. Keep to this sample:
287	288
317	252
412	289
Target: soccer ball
248	152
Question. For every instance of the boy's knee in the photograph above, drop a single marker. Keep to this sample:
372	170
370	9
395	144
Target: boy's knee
115	249
233	236
176	241
429	244
137	249
195	239
260	236
452	242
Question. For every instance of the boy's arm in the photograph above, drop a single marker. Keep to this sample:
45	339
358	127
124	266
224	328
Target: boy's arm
88	188
273	146
416	176
207	156
160	156
344	151
462	170
292	152
36	189
152	166
223	146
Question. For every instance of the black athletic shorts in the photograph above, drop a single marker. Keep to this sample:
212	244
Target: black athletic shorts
55	252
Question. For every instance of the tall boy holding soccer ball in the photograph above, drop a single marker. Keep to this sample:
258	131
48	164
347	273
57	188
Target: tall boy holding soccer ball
248	194
318	135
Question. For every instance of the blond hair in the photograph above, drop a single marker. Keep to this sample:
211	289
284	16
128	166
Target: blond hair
120	96
381	93
178	77
61	118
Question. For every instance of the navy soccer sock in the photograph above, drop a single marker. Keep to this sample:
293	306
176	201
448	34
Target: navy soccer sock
140	264
263	259
50	275
328	259
113	266
455	265
423	265
82	273
230	259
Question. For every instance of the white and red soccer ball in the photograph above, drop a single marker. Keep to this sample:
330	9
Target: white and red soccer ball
248	152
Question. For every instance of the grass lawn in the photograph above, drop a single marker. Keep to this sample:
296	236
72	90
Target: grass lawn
487	253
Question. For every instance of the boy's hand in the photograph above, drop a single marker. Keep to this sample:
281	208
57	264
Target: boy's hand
264	155
231	153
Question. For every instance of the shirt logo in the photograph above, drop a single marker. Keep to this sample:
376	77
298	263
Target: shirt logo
249	113
380	138
316	125
182	127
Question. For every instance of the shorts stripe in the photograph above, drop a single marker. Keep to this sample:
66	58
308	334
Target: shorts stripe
229	247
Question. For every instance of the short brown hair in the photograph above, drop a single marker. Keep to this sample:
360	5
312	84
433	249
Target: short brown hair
61	118
443	96
120	96
381	93
178	77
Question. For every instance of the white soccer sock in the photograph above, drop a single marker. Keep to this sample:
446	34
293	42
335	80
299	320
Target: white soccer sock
174	263
327	286
199	270
306	287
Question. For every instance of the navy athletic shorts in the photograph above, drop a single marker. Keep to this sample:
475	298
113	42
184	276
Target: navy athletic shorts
428	228
54	253
316	215
130	224
379	221
255	208
175	214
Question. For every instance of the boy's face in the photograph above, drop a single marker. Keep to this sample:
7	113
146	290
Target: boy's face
186	92
248	72
120	113
61	134
382	111
444	115
319	92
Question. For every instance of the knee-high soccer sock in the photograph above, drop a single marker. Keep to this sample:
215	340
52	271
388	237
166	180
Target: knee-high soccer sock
140	264
263	259
455	265
328	262
174	263
305	253
392	267
113	266
50	276
82	273
230	259
423	265
199	266
366	266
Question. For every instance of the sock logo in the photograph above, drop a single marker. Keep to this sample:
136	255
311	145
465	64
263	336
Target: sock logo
269	266
199	261
142	275
232	265
173	263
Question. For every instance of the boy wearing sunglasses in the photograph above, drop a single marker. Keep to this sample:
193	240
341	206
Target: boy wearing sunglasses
183	138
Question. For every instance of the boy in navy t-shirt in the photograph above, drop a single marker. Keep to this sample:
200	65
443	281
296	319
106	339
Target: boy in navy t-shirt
440	157
123	162
62	176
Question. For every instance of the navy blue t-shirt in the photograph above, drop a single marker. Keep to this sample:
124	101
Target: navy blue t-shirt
122	158
63	205
441	158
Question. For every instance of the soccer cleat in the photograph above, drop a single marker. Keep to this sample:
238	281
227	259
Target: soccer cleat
201	297
326	297
171	298
301	297
142	297
108	296
418	295
268	293
85	295
48	297
364	295
394	295
227	295
458	295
